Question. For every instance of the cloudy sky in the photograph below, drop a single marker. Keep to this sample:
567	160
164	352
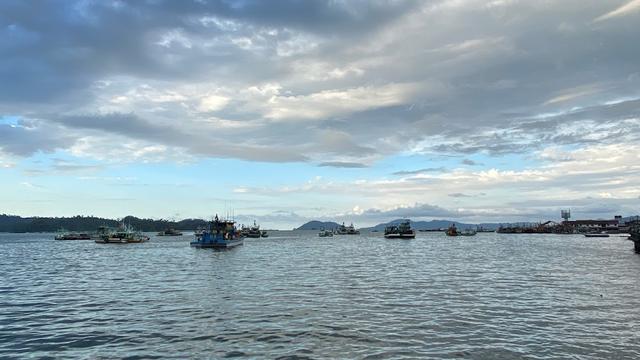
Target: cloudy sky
286	111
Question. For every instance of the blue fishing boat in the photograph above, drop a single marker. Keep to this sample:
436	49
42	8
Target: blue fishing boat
221	234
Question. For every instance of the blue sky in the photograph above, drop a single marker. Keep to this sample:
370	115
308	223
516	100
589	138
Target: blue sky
358	111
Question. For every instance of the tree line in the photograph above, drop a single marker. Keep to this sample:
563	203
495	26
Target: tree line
18	224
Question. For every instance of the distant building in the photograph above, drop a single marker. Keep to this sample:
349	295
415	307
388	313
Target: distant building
594	225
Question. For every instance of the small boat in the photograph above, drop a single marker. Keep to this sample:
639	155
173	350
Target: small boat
64	235
325	233
347	230
222	234
123	235
634	235
264	234
596	235
169	232
453	231
402	231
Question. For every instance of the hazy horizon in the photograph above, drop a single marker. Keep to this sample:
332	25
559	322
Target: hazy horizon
290	111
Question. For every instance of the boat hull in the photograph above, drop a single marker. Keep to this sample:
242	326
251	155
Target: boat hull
596	235
217	245
121	241
400	236
218	240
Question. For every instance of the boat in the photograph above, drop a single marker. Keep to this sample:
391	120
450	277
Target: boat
401	231
221	234
264	233
169	232
596	235
347	230
125	234
101	231
453	231
325	233
254	231
634	235
65	235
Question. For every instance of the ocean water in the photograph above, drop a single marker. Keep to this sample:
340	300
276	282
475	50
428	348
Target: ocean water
297	296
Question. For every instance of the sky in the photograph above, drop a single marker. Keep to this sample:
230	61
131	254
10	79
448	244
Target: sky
288	111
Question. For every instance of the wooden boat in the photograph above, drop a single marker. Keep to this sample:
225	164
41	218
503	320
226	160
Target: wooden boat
453	231
123	235
63	235
169	232
347	230
222	234
325	233
402	231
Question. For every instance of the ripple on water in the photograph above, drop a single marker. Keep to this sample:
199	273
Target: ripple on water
296	296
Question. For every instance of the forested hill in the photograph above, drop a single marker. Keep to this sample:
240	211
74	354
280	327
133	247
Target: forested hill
10	223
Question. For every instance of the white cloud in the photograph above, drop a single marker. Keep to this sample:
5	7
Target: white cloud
626	9
213	103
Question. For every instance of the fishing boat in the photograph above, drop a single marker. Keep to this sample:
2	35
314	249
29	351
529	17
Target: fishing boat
264	234
453	231
634	232
325	233
347	230
125	234
169	232
221	234
401	231
65	235
252	231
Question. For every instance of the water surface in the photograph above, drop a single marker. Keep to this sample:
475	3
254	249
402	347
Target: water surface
294	295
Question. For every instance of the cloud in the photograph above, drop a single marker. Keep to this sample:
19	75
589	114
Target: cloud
459	195
419	171
626	9
341	164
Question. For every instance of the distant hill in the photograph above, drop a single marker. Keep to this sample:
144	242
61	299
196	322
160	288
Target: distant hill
318	225
433	225
10	223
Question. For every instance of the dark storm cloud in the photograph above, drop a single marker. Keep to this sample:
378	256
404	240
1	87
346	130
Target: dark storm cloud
51	49
25	140
482	75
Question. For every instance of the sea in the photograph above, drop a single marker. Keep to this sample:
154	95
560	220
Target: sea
294	295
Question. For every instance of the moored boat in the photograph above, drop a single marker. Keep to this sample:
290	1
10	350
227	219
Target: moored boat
401	231
454	231
221	234
169	232
347	230
125	234
65	235
325	233
634	232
